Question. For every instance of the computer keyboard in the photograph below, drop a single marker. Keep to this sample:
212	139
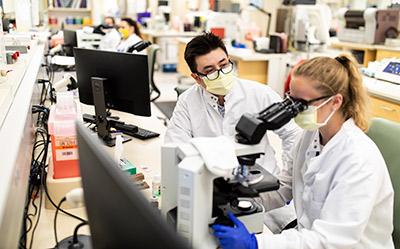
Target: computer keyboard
142	134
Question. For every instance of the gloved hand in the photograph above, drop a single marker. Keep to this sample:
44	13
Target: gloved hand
234	237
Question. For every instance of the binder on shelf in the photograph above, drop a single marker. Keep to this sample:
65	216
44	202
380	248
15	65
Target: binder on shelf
73	4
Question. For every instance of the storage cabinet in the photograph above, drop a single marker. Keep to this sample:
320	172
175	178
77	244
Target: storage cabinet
385	109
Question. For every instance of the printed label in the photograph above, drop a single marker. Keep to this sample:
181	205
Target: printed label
66	148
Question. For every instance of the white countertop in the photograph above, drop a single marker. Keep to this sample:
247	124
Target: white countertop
11	82
250	55
383	89
168	33
336	42
384	47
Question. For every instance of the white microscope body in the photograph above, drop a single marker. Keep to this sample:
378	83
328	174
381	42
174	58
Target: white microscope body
188	185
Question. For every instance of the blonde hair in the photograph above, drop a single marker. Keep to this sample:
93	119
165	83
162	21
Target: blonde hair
339	75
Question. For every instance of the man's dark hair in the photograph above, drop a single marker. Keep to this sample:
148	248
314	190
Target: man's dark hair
201	45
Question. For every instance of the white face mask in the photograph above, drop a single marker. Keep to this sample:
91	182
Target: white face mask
222	85
308	119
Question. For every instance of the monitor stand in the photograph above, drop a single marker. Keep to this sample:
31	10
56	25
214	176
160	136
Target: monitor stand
103	124
78	242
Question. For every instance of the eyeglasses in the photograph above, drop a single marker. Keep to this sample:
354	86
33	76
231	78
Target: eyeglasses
307	102
225	69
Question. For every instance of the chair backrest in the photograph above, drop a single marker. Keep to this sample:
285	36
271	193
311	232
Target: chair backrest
152	55
386	135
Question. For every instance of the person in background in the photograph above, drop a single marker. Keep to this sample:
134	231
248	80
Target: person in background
109	21
336	175
130	34
111	37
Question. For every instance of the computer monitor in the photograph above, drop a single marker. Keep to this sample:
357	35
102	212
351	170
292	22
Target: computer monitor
126	86
114	80
118	213
70	42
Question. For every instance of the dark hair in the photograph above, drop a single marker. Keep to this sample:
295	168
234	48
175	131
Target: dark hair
133	24
201	45
110	17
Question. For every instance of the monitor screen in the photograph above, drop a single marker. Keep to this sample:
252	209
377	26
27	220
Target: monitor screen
127	79
119	215
70	42
392	68
257	3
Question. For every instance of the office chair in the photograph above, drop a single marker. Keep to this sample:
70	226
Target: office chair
179	89
152	55
386	135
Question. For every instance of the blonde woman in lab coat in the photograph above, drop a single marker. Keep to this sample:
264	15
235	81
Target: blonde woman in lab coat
130	34
336	176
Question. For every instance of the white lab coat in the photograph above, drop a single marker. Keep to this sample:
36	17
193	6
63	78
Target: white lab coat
110	40
196	115
342	194
124	45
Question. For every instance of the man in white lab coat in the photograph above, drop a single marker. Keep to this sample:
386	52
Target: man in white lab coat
214	105
111	37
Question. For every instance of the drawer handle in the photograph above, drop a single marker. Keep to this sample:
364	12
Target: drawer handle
387	108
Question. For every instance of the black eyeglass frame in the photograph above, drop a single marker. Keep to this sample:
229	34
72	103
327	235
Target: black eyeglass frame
232	65
307	102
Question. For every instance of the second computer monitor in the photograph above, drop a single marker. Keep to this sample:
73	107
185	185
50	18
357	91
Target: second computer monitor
126	87
70	42
119	215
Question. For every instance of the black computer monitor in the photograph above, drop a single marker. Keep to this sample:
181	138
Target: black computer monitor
70	42
114	80
126	86
119	215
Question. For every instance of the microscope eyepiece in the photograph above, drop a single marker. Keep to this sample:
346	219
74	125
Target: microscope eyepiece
252	128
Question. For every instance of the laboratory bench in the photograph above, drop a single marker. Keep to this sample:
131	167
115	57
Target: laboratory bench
384	98
152	35
144	154
166	39
18	92
384	52
366	52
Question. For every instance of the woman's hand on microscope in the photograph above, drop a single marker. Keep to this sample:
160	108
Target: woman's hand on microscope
236	237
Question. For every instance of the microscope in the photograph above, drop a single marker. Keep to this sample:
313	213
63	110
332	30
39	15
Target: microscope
193	198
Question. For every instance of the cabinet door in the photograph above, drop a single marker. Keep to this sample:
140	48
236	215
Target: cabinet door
383	54
252	70
385	109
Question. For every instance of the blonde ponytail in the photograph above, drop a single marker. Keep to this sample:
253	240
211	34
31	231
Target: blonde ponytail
356	105
339	75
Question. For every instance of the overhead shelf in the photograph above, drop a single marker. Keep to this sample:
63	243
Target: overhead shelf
82	10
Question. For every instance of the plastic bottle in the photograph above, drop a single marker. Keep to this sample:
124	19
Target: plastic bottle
156	186
63	116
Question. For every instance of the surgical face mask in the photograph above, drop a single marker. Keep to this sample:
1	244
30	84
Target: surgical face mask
220	82
308	119
222	85
124	33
